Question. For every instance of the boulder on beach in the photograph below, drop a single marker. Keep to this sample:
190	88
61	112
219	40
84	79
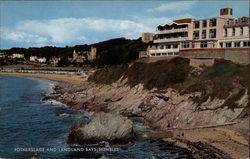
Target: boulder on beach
109	127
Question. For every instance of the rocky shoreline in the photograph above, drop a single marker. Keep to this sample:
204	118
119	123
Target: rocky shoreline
166	112
213	129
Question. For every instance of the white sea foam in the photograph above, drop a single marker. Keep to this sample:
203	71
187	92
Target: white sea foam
54	102
64	115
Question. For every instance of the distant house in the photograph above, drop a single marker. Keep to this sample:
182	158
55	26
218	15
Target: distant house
33	58
82	56
79	56
92	54
147	37
54	60
2	55
70	59
41	59
17	56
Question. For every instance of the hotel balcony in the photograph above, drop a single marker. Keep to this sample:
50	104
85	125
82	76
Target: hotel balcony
170	39
171	31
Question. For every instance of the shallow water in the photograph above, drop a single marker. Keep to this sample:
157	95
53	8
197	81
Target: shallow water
31	127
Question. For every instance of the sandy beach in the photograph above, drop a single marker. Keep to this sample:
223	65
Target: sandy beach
230	142
73	79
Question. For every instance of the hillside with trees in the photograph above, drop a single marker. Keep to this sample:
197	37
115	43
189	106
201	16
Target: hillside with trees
110	52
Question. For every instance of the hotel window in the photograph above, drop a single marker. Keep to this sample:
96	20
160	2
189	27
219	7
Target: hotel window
170	54
196	35
204	34
175	46
221	45
212	33
225	33
229	44
168	46
196	24
228	22
203	44
233	34
246	43
231	12
236	21
158	54
161	46
185	44
164	54
176	53
204	23
237	44
185	34
241	30
193	44
212	22
152	54
243	20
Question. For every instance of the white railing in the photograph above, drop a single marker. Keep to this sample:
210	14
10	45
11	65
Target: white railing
164	54
170	39
164	50
171	31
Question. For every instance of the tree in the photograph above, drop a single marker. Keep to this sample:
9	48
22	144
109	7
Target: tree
64	62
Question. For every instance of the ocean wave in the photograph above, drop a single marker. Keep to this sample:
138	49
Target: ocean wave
54	102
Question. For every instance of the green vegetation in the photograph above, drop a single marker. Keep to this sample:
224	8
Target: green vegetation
110	52
118	51
108	74
218	81
160	74
5	61
224	80
64	62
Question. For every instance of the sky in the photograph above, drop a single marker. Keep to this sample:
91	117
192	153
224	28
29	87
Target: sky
68	23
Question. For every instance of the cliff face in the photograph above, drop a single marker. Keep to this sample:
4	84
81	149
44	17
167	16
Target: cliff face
186	101
161	110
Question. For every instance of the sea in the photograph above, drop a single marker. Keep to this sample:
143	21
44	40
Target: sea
33	128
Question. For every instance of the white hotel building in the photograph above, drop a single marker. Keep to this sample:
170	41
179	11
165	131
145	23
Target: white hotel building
224	31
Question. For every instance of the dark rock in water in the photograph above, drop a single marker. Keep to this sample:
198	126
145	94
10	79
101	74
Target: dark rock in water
46	98
104	127
50	96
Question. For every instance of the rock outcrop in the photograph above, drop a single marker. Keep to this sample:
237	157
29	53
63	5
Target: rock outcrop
104	127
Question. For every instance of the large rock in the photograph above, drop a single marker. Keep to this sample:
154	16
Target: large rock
104	127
